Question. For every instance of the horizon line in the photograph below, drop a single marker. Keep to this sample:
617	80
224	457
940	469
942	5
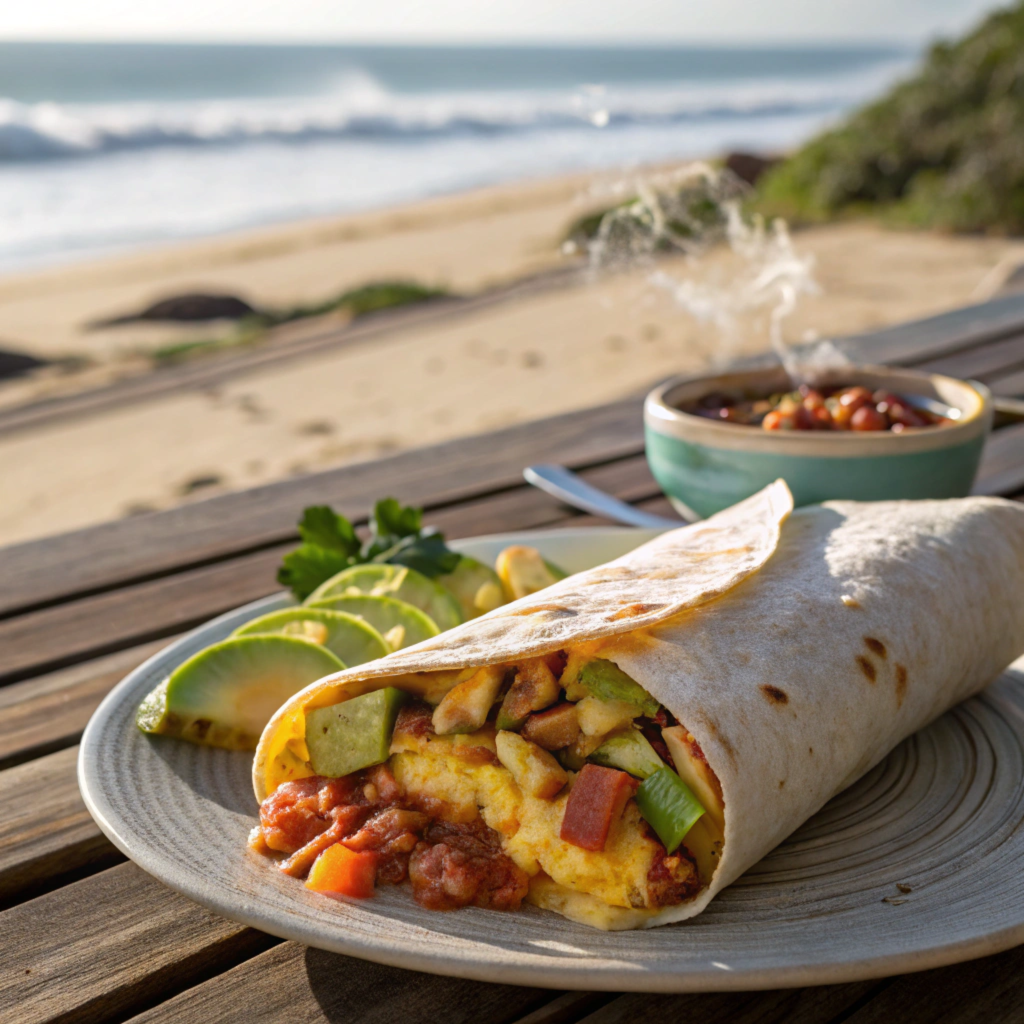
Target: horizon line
487	43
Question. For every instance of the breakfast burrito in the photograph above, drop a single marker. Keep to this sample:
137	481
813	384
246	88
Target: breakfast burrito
624	744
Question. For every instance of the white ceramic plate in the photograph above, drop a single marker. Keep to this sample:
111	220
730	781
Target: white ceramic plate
942	815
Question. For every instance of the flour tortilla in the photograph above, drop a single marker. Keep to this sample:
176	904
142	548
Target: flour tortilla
798	651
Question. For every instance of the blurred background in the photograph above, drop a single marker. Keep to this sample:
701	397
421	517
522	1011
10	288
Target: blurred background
242	241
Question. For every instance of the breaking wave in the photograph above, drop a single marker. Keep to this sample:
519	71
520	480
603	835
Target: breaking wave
360	109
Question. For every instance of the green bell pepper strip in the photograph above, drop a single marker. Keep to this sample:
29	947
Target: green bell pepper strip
668	806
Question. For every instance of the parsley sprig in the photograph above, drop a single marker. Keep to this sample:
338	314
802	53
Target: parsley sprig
330	544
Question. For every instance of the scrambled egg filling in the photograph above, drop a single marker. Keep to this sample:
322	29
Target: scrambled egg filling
455	778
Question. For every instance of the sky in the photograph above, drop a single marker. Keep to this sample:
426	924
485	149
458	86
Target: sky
608	21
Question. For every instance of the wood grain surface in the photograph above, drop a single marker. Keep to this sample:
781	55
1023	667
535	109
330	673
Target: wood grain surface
89	938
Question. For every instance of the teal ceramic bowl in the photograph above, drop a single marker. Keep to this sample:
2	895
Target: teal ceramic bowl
704	466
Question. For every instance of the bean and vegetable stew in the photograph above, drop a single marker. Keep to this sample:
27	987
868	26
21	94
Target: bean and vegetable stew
844	407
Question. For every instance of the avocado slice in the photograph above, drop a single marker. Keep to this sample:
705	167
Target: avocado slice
225	695
475	586
398	581
398	622
354	734
628	751
606	680
352	639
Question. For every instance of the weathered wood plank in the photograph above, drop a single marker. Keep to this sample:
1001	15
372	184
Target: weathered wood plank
1002	465
567	1008
946	333
294	983
48	639
49	712
987	991
109	946
54	637
46	833
135	549
985	362
1010	385
793	1006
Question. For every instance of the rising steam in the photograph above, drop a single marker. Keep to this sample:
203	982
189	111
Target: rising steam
736	269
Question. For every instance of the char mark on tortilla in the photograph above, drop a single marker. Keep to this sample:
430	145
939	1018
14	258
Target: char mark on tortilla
867	667
901	684
875	646
632	610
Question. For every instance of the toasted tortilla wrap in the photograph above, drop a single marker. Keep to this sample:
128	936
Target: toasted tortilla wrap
795	649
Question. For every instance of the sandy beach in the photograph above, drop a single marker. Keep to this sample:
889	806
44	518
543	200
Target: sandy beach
530	354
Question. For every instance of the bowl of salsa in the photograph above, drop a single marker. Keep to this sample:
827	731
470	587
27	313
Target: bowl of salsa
866	433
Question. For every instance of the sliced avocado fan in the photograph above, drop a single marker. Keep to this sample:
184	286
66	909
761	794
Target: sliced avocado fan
225	695
398	622
396	581
351	639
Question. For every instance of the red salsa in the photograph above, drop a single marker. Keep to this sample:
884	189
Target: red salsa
844	407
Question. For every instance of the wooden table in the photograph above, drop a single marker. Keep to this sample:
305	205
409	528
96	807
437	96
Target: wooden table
88	936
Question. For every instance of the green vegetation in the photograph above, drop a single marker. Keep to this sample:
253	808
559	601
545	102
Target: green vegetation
357	302
370	298
330	545
665	217
944	149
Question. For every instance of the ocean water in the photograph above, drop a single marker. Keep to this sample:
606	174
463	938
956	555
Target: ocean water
105	147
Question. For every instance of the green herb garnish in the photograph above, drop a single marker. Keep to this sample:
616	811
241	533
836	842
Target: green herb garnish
330	544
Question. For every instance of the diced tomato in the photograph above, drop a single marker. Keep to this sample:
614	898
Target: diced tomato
597	798
341	870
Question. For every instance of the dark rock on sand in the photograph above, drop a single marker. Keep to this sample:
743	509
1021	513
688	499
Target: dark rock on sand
749	167
191	308
17	364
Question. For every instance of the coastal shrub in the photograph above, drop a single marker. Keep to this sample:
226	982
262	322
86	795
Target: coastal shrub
368	298
667	213
943	149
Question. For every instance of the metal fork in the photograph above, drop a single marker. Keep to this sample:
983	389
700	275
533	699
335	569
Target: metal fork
565	485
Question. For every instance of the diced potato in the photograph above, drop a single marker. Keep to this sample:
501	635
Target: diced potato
574	757
523	571
536	772
574	689
705	842
534	689
694	770
553	729
465	707
599	717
